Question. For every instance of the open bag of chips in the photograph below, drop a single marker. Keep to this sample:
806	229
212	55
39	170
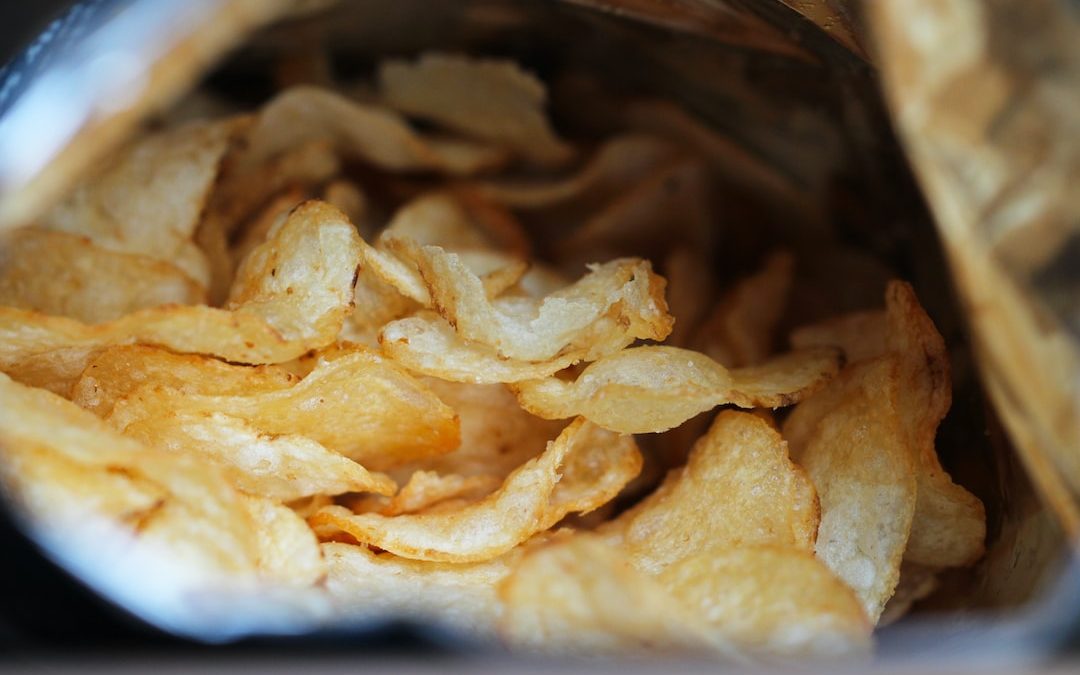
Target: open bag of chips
417	344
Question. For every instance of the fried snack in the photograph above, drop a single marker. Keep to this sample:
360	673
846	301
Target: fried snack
652	389
562	480
427	489
492	100
579	596
357	404
66	275
739	488
292	296
771	602
855	451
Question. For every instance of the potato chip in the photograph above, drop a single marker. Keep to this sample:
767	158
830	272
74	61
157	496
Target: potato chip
579	596
488	99
278	466
621	161
358	404
531	499
536	331
365	586
916	582
771	601
654	388
272	216
856	453
739	332
497	436
118	371
286	548
427	488
66	275
861	335
148	200
375	135
349	198
739	488
288	299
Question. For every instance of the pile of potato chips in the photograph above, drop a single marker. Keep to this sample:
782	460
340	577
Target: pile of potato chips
312	351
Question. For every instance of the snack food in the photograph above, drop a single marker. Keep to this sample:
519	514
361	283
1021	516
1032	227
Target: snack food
419	416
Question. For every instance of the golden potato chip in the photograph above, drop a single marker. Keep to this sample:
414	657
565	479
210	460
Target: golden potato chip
196	525
861	335
427	488
288	299
358	404
286	548
118	371
519	328
272	215
654	388
771	601
374	587
739	332
437	219
148	200
949	526
426	343
621	161
859	460
66	275
739	488
579	596
370	133
349	198
278	466
497	436
531	499
492	100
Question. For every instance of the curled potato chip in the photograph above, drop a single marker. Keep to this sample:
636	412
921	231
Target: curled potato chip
181	515
66	275
739	332
368	586
358	404
377	135
272	215
521	329
850	440
617	163
531	499
349	198
288	299
286	548
739	488
149	199
497	436
119	371
580	596
655	388
487	99
427	488
771	601
277	466
861	335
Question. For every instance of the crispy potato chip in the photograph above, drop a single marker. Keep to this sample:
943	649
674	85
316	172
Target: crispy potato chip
497	436
374	587
287	550
349	198
621	161
119	371
654	388
531	499
66	275
771	601
148	200
739	332
196	526
522	329
427	488
370	133
288	299
492	100
358	404
739	488
272	216
861	335
580	596
856	453
278	466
